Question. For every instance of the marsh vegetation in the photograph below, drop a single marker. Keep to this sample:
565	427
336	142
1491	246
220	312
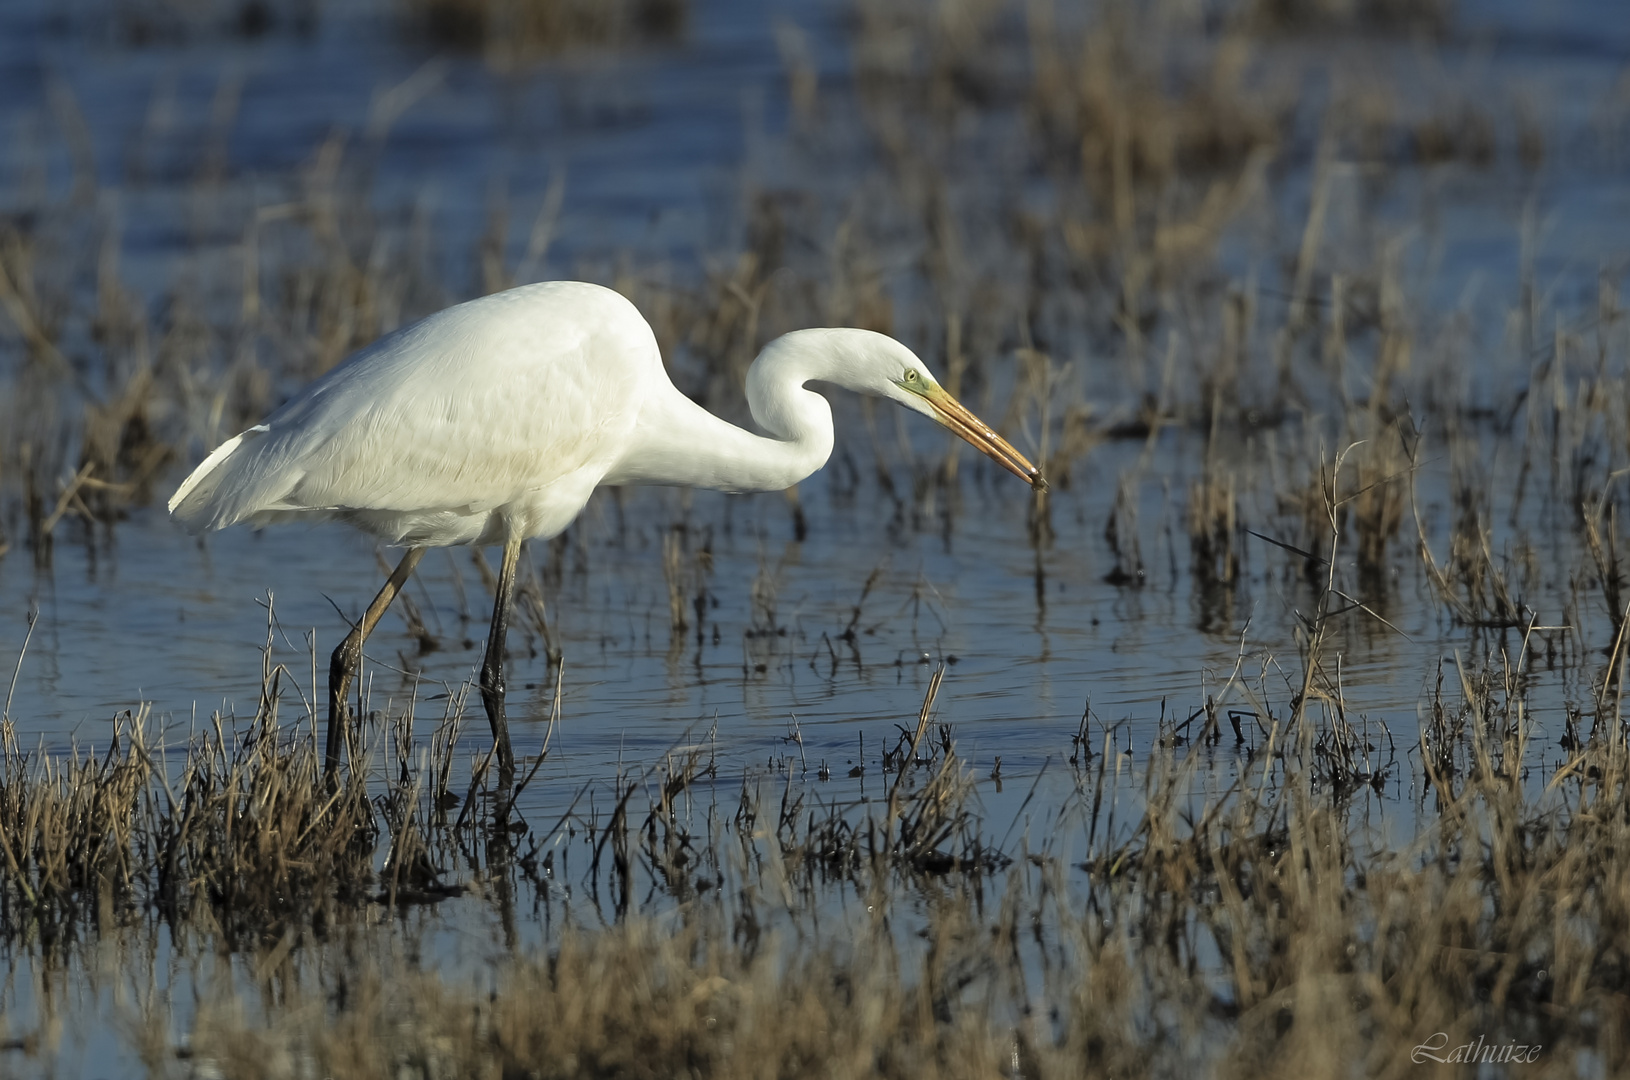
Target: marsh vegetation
1283	734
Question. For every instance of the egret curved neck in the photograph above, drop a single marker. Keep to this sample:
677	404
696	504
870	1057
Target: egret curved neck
678	442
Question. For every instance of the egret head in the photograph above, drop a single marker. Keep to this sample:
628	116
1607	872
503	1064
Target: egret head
909	383
870	363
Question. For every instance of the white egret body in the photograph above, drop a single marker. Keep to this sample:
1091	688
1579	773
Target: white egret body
493	421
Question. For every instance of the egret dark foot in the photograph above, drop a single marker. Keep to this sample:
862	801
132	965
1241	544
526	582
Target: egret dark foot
492	673
492	696
341	667
347	659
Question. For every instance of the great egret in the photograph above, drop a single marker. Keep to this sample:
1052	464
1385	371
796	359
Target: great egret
493	421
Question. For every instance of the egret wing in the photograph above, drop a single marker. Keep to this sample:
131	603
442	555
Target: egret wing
460	413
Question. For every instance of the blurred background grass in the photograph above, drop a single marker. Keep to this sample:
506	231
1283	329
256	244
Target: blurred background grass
1334	285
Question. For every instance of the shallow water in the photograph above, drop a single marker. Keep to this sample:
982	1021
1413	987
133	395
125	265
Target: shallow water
772	666
657	148
653	145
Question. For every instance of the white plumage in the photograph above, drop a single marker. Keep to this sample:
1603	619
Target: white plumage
494	421
439	432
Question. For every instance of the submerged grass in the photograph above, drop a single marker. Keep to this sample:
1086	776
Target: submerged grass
1042	199
1274	887
1275	926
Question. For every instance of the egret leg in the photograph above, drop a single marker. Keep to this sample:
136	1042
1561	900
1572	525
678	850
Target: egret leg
348	657
492	668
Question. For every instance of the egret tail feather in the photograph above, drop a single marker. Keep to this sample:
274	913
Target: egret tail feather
193	503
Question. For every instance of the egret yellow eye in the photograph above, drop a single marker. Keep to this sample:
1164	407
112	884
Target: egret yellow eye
911	375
